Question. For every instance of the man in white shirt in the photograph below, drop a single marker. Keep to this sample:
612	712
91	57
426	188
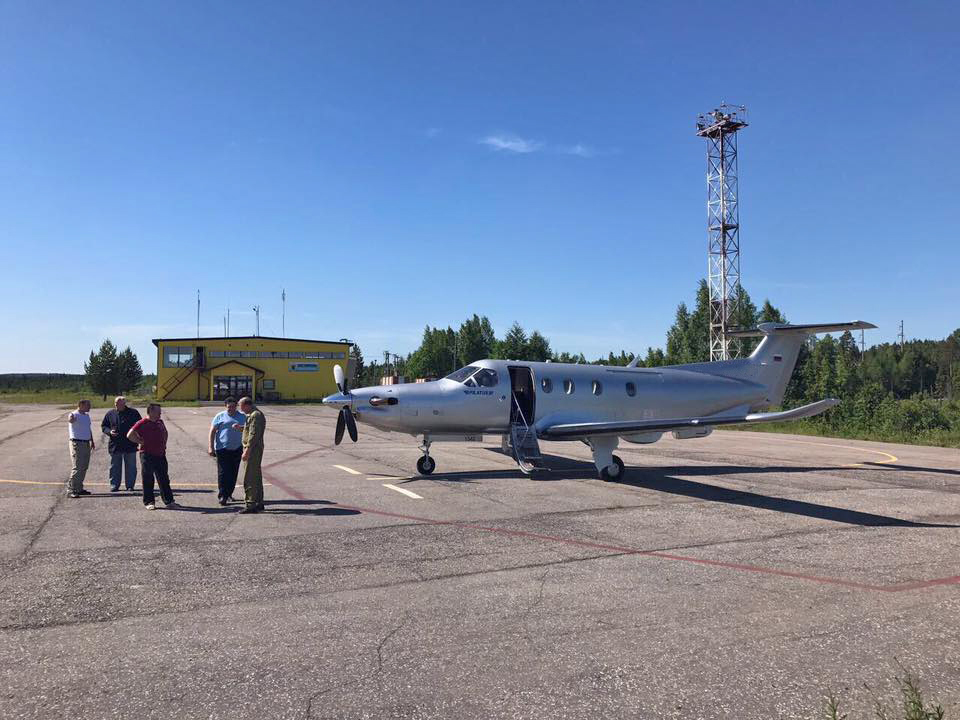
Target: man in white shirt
81	445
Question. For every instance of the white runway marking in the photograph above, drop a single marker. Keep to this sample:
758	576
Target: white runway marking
346	469
403	490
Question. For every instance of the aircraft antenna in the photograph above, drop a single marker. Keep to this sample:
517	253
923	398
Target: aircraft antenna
719	127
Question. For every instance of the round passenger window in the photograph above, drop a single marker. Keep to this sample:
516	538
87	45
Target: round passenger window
597	387
568	386
631	389
547	385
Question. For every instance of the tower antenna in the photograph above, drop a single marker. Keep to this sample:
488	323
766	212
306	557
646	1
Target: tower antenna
719	127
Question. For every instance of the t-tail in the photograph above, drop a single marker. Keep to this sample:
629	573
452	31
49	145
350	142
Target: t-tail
774	359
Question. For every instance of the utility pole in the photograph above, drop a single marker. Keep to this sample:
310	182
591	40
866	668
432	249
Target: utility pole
901	334
228	321
198	313
256	309
719	127
283	301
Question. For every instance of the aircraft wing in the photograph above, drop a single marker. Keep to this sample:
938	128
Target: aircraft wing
575	431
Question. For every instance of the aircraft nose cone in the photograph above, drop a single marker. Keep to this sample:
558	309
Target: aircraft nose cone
337	399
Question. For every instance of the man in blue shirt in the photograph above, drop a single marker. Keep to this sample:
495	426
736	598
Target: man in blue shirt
226	444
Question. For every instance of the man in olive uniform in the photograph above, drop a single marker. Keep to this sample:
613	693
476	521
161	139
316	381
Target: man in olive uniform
253	430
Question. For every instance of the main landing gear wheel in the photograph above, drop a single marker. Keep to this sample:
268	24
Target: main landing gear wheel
613	472
426	465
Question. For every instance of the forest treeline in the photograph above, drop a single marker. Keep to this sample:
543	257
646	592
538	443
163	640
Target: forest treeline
906	392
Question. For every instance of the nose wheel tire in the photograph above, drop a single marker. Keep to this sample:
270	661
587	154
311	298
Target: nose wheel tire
426	465
613	472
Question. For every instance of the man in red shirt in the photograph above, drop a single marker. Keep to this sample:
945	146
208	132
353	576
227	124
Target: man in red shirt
151	435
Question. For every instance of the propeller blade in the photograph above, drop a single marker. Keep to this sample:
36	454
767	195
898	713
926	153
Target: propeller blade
351	424
341	424
338	377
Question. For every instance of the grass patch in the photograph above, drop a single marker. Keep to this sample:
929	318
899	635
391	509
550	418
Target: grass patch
911	704
54	396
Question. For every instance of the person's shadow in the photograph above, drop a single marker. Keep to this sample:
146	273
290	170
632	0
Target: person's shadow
278	507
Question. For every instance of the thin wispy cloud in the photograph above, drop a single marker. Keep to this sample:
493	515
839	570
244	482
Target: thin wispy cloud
580	150
511	143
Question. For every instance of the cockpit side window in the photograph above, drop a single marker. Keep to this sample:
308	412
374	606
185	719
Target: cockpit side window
486	378
462	374
470	383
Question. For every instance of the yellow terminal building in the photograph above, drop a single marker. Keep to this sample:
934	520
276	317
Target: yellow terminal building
267	368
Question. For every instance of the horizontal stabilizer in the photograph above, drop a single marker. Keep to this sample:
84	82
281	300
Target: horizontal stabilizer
573	431
783	328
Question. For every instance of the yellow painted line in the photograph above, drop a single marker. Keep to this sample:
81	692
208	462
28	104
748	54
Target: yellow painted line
891	458
349	470
404	491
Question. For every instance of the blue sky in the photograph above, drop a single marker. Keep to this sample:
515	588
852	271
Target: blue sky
393	165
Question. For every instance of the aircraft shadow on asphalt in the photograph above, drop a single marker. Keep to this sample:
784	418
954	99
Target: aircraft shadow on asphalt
910	468
663	479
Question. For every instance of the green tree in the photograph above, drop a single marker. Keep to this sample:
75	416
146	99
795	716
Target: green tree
129	372
514	344
537	349
102	370
677	337
356	355
475	340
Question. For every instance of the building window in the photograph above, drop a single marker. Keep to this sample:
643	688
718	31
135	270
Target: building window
232	353
295	355
235	386
568	387
339	355
177	356
248	353
547	385
266	354
631	389
597	387
216	353
280	355
269	384
311	356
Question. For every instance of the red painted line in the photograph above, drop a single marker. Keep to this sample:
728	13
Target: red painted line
292	458
623	550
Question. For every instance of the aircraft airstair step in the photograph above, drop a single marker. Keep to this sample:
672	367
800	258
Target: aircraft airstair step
526	448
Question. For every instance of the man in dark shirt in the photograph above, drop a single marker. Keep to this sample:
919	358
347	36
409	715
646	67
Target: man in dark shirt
123	453
151	435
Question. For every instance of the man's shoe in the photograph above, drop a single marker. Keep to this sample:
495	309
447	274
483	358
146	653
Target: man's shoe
84	492
250	509
73	494
149	506
230	498
260	506
222	501
114	489
131	489
171	505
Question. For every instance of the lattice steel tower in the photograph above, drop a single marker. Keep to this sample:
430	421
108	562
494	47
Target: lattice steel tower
720	128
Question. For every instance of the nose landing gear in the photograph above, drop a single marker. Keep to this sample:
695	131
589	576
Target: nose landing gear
426	465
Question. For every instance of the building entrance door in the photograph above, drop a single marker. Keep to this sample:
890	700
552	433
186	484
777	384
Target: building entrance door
237	386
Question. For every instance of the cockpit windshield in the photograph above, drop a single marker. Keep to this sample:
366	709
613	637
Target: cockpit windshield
472	376
463	373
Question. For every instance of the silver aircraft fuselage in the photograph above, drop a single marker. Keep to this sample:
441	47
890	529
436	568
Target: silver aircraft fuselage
562	393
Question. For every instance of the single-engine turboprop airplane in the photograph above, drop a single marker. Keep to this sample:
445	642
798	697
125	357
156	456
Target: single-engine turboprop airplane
597	404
